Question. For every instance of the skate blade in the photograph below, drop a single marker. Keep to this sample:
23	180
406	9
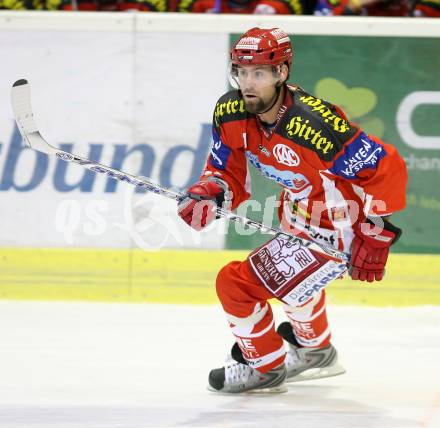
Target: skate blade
280	389
318	373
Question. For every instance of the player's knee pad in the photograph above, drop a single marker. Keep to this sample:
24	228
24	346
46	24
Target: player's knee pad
227	282
244	326
308	309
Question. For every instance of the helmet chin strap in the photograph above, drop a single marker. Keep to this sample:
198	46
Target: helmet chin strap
278	90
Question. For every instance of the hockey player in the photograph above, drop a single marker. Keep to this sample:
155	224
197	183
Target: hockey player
339	187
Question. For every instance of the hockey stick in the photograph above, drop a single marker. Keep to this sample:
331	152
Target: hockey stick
21	106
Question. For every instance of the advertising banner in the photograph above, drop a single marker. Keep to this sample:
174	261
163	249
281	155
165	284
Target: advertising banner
389	86
135	102
142	102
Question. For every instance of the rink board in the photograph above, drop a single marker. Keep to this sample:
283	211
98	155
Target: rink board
139	97
171	276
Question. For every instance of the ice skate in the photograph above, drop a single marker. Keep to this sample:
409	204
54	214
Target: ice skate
308	363
236	376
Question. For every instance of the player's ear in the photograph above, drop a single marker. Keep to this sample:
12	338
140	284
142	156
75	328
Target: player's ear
284	73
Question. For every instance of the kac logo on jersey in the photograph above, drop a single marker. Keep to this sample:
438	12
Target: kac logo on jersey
285	155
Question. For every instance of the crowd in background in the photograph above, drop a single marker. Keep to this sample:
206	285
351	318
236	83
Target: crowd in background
417	8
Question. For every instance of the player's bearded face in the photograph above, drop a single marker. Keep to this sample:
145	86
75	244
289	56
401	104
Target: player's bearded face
258	86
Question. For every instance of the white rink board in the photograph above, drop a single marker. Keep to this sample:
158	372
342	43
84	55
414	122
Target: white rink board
107	91
66	365
109	83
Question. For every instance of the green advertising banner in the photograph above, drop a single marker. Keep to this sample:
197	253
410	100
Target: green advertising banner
390	86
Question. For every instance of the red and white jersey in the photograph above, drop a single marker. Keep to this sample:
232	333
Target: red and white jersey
332	174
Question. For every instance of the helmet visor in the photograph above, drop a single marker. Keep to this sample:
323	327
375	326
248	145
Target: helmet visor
253	76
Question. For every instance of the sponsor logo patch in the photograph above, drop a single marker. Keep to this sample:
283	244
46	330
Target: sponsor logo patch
281	264
360	154
229	107
280	35
300	127
315	104
294	181
311	123
219	152
320	234
315	283
248	43
264	150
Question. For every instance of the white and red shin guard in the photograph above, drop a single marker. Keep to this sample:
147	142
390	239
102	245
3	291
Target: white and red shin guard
256	337
309	322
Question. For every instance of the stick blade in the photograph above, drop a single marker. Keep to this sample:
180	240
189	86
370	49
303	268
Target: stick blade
21	106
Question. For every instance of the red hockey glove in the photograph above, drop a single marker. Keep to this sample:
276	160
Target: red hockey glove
370	248
198	207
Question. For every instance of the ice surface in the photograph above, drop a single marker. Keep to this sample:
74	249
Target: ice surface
141	365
